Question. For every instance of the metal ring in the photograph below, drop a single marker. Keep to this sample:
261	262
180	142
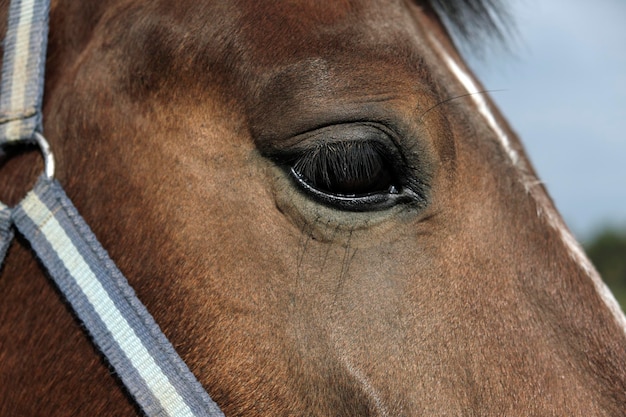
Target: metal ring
46	152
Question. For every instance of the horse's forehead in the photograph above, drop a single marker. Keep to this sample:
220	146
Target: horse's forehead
244	45
301	28
329	56
292	57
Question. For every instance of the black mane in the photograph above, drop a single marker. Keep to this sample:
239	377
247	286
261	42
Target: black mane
473	20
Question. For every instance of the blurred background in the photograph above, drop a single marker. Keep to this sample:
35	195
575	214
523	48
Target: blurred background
561	82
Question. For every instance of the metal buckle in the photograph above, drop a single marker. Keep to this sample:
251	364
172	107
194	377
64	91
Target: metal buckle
44	148
46	153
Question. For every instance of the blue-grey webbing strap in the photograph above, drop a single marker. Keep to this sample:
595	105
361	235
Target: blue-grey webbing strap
117	321
6	232
23	67
119	324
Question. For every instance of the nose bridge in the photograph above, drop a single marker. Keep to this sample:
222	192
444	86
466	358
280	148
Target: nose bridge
545	209
570	247
541	210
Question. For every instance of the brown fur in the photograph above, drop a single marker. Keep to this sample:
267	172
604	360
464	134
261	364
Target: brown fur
160	114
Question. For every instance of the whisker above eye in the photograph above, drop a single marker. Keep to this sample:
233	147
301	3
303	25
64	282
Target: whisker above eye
442	102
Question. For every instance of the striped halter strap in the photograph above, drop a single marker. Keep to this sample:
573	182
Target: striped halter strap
119	324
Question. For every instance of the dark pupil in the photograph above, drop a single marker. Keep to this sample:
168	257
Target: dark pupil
346	168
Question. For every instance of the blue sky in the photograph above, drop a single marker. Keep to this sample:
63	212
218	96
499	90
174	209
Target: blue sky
564	91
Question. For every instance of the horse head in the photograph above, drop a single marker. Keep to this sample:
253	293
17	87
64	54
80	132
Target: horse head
321	208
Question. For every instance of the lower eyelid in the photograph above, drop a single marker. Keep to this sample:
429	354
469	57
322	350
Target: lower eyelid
371	202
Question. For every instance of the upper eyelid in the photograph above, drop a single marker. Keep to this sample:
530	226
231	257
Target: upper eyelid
342	132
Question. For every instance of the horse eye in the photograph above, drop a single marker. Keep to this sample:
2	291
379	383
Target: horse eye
352	175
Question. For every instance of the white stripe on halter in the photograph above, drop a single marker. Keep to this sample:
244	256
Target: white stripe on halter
121	332
21	79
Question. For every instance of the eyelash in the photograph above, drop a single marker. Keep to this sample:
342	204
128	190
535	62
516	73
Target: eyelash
347	168
352	175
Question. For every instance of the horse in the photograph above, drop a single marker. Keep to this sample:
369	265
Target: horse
320	206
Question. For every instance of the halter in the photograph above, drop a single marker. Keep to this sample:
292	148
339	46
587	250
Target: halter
119	324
